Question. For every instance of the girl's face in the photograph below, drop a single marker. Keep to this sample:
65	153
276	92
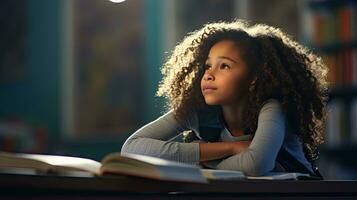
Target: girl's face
226	75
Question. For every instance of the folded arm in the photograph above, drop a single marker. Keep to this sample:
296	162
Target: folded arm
260	155
156	139
217	150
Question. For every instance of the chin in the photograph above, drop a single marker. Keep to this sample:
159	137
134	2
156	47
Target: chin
212	102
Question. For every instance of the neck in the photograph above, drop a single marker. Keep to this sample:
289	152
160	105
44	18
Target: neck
232	114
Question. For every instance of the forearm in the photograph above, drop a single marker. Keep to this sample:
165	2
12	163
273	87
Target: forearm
181	152
216	150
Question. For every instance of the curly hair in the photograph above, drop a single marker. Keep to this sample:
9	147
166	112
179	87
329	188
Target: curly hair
285	70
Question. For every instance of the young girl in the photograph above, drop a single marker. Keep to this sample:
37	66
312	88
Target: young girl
253	98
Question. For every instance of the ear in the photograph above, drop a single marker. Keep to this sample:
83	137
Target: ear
252	84
254	80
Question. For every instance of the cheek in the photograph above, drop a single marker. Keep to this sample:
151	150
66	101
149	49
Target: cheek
237	86
201	80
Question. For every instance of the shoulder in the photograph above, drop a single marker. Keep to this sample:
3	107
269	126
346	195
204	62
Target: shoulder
190	120
271	109
271	104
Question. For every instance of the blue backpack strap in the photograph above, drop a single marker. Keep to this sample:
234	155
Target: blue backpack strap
210	134
291	164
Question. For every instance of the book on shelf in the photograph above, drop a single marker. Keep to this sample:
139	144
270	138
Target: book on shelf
332	31
342	67
126	164
332	25
341	125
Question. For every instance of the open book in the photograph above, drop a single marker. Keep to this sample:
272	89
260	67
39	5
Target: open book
124	164
112	164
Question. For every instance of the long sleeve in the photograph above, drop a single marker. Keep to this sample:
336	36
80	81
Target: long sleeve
259	158
156	139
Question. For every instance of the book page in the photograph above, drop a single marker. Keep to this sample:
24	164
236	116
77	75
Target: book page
279	176
222	174
68	162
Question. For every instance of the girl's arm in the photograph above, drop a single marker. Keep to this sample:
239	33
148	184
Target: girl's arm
259	158
216	150
156	139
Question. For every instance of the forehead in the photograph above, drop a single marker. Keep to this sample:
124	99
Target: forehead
225	47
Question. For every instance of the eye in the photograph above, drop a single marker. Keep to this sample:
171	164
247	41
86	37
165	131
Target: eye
224	65
207	66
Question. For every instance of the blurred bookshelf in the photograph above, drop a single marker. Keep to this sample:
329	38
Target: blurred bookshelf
330	29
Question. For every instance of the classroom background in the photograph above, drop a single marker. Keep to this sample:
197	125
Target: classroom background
77	77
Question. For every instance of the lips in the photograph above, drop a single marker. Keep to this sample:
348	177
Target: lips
208	87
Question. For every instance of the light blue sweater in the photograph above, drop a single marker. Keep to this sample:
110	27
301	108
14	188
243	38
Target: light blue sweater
157	139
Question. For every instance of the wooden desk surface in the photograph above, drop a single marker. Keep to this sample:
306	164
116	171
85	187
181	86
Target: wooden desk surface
14	186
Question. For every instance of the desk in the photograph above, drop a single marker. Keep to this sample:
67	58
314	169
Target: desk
15	186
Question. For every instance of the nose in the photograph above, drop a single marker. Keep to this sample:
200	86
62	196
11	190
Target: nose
208	76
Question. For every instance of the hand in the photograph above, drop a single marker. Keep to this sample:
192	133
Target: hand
239	146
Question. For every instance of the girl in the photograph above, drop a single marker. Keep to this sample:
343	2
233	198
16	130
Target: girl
253	98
